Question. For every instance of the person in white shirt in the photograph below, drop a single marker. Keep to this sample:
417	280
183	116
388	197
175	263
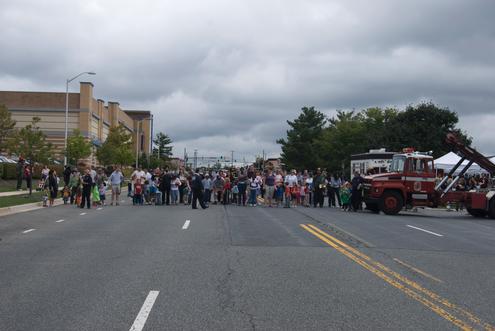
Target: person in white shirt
138	176
147	176
292	179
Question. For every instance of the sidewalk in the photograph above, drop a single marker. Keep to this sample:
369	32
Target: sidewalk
11	193
39	205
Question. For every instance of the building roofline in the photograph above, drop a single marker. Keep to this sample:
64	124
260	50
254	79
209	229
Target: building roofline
39	92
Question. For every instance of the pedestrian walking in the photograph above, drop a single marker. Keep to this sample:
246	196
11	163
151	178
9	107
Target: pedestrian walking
197	191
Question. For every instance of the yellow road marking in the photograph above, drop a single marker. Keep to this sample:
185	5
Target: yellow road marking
409	282
333	242
419	271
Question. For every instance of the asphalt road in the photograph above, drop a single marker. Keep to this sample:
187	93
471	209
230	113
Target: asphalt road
245	268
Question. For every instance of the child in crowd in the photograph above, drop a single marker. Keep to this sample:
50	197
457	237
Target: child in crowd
78	196
137	198
302	194
103	191
288	195
66	194
345	196
235	192
95	195
44	196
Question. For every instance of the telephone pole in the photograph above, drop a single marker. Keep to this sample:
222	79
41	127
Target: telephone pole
232	159
195	159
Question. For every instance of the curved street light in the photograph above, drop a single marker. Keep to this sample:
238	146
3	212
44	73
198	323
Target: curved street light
67	108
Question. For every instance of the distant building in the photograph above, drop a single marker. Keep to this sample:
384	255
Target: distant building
91	116
273	163
375	161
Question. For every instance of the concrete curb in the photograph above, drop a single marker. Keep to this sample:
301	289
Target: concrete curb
6	211
26	207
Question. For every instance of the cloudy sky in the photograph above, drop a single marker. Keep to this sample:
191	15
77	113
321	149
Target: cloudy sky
226	75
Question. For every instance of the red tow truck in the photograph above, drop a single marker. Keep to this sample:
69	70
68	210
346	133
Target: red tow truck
412	182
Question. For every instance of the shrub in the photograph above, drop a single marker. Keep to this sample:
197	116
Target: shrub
9	171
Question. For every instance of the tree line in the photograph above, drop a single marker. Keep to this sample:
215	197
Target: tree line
315	140
31	143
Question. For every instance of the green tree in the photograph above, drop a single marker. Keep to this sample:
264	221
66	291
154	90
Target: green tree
117	148
300	150
77	147
163	149
424	127
6	127
30	142
345	135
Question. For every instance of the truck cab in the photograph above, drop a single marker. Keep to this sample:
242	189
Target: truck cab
409	182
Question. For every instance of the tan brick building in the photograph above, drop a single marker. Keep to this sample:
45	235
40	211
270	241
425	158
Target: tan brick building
91	116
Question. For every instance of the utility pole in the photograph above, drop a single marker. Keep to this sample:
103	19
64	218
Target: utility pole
195	159
263	164
232	159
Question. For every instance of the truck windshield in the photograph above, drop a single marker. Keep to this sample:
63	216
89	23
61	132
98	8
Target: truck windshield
397	164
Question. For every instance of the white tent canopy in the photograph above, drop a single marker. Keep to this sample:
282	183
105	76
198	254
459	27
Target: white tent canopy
449	160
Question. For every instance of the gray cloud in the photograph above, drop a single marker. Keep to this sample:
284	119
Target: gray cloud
226	75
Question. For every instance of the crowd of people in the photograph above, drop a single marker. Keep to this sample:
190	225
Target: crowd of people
241	187
246	187
83	189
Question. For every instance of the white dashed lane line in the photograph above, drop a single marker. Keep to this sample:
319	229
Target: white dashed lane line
143	314
60	221
27	231
420	229
186	225
82	214
99	208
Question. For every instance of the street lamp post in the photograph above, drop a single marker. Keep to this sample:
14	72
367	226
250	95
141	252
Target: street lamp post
67	109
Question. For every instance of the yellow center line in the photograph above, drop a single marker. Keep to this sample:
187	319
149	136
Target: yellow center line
434	307
419	271
409	282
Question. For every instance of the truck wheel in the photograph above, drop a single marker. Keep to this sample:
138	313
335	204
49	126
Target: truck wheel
477	212
391	203
373	208
491	208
